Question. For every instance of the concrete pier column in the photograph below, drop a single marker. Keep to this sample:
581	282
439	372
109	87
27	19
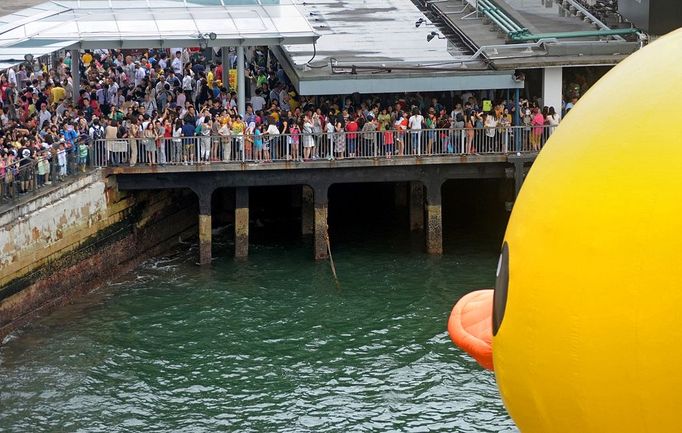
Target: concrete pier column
416	206
551	87
321	205
241	222
205	226
400	194
434	223
518	176
75	74
307	210
224	58
241	82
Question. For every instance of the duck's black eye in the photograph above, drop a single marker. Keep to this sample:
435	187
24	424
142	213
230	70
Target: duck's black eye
501	287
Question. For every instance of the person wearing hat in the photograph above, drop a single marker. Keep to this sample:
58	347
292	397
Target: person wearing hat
86	59
217	85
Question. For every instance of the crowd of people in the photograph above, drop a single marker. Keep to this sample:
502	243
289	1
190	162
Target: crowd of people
171	107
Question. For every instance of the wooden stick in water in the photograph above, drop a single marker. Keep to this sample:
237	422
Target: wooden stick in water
331	259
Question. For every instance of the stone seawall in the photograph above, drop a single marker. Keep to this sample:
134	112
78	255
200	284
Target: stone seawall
70	240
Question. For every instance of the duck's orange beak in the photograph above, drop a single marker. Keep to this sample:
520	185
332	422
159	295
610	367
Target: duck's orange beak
471	326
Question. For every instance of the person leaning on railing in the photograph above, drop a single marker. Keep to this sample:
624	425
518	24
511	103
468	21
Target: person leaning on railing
537	122
114	88
8	168
176	143
225	132
188	144
43	168
369	135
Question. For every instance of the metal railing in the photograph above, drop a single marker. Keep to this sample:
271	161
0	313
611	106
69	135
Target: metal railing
28	175
331	146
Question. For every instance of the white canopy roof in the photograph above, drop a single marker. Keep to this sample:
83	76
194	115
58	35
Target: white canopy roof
151	23
377	46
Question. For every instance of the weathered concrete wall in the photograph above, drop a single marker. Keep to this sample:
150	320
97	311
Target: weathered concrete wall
70	240
52	223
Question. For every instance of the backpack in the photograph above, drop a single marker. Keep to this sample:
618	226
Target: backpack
98	133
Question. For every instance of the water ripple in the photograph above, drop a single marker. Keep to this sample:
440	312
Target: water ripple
260	346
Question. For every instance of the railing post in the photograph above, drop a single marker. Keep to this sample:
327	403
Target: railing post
517	120
288	146
34	184
376	141
419	142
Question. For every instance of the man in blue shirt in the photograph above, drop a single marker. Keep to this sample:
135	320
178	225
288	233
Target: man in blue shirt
70	136
188	142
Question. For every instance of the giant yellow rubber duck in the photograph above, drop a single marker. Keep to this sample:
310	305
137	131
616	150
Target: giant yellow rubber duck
584	321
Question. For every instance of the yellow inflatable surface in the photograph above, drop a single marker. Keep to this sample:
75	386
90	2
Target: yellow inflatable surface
590	336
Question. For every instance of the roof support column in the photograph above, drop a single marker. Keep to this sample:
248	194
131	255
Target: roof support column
225	78
241	86
75	75
551	88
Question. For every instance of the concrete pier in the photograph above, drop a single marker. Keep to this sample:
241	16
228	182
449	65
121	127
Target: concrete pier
420	181
241	222
307	210
204	239
66	240
416	206
321	205
205	226
434	224
400	194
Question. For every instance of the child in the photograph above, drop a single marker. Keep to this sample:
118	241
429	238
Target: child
294	140
61	161
43	167
83	155
258	142
388	141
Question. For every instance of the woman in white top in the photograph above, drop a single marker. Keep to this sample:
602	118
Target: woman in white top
552	119
224	131
273	140
177	154
205	142
308	140
329	129
490	123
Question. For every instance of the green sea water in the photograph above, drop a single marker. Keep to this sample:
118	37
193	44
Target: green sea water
270	344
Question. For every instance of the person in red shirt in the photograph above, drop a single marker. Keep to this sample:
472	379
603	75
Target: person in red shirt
218	71
388	140
351	136
94	105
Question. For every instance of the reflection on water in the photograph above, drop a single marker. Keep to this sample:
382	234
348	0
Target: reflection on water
266	345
